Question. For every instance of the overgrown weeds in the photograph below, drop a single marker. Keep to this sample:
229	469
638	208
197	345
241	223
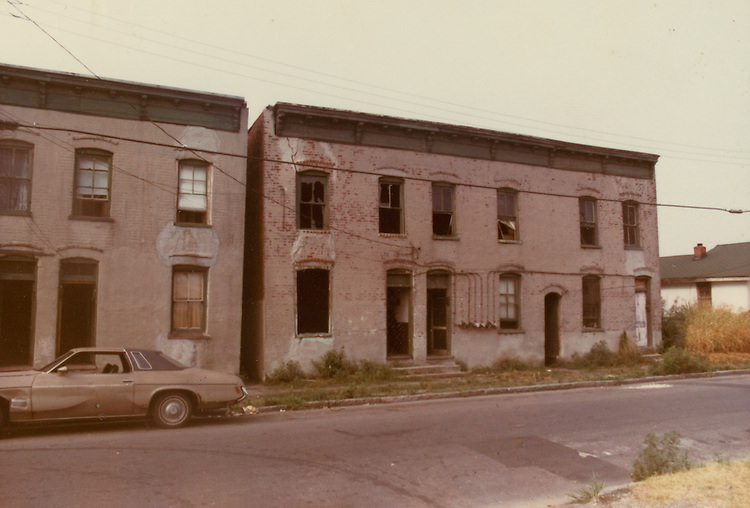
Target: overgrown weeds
591	493
660	455
703	329
679	361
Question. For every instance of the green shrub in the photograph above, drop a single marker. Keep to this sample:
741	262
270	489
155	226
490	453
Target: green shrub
674	324
660	455
627	351
333	364
589	494
374	371
679	361
287	373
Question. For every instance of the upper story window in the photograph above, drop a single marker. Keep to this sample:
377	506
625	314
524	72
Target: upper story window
592	305
189	299
391	216
312	194
510	302
93	183
443	210
192	193
589	229
630	224
15	177
507	215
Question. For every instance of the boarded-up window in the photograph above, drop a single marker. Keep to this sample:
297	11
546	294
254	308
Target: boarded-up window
92	185
15	177
312	302
192	195
188	299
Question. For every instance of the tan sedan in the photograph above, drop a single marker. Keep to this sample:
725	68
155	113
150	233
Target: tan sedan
109	383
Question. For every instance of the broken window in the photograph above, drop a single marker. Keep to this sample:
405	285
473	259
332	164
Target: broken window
587	209
15	177
93	180
630	224
507	215
509	301
391	206
312	302
443	210
591	302
192	193
189	299
312	212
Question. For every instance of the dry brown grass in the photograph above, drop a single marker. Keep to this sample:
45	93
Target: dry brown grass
717	330
718	484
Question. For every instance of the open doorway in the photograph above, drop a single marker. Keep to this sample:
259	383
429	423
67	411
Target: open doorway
17	277
77	304
551	328
398	314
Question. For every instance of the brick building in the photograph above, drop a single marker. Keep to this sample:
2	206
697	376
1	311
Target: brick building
121	218
416	241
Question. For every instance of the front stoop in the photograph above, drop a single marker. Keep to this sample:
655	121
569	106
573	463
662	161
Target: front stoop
441	367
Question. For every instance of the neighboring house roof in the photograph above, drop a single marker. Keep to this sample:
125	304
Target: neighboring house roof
727	260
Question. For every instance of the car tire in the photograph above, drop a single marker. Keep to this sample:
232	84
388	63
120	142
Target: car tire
171	410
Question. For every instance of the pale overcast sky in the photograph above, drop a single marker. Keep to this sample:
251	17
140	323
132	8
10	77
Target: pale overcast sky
664	77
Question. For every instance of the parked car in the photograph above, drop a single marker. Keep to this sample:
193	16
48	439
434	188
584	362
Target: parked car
113	383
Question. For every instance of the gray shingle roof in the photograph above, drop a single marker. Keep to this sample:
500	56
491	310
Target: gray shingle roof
727	260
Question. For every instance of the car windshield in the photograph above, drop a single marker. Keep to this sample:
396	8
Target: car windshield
55	361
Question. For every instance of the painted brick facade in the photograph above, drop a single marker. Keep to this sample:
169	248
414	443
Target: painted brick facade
417	295
78	278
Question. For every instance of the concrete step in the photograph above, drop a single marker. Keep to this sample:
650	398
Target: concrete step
433	369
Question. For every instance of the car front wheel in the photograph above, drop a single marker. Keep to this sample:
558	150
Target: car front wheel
171	410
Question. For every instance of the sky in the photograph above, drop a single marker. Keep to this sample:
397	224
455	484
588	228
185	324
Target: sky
665	77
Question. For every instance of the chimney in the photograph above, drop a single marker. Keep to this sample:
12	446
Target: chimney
699	251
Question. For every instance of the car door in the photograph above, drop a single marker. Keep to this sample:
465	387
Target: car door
88	384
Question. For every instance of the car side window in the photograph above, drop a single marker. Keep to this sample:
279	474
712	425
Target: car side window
96	363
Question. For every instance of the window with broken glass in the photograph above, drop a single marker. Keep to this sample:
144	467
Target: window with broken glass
192	193
93	183
507	215
443	211
15	177
391	217
312	212
591	302
630	224
587	212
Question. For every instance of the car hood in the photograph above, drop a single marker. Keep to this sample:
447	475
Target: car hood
17	378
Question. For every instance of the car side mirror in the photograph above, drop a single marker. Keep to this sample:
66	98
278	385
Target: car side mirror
62	370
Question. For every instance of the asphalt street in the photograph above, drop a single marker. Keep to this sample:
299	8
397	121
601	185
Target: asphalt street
529	449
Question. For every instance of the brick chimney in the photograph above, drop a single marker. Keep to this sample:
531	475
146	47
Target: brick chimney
699	251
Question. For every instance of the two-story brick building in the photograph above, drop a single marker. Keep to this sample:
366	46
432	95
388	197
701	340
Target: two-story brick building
121	218
399	239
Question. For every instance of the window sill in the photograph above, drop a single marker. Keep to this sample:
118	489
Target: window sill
633	247
90	218
507	331
595	247
510	242
314	231
192	225
392	235
593	330
188	335
314	336
449	238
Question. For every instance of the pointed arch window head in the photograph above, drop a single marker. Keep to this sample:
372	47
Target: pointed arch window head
312	201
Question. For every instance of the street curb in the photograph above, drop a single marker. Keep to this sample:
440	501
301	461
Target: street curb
322	404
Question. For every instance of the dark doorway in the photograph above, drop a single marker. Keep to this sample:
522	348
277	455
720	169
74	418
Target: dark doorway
15	321
398	314
438	304
77	307
551	328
